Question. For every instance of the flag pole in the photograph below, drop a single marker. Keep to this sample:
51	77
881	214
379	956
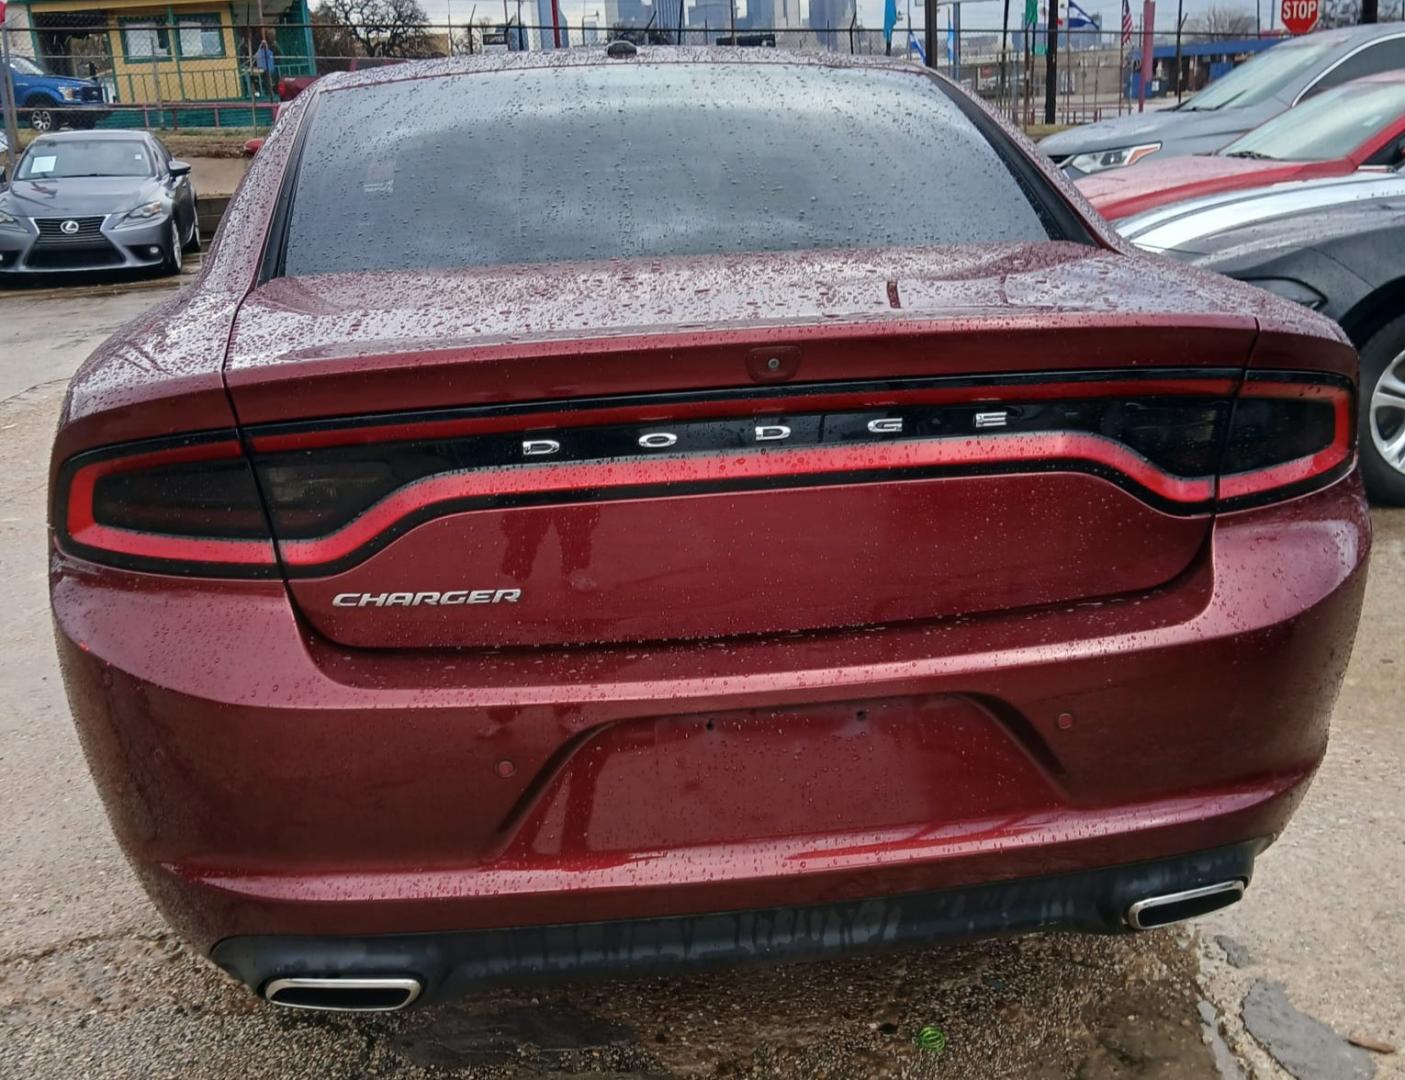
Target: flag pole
1004	55
1148	51
1121	70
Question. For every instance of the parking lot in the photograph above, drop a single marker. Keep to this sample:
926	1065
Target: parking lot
91	984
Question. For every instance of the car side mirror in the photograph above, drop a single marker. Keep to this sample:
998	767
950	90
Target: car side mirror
180	168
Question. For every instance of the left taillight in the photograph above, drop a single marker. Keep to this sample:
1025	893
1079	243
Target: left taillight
186	506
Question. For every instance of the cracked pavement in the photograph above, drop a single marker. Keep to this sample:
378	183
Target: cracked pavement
91	983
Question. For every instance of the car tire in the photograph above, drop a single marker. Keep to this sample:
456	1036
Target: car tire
193	242
174	260
43	118
1382	414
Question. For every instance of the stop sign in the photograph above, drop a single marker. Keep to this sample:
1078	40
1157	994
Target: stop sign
1300	16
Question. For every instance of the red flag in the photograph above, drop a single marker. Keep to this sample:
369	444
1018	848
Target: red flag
1126	23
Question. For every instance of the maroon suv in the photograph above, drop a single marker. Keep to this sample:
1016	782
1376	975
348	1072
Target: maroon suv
690	506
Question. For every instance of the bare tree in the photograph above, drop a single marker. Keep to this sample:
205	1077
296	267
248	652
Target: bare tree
1337	13
396	28
1223	22
333	43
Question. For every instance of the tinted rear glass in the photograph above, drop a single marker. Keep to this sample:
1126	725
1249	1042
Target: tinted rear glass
629	160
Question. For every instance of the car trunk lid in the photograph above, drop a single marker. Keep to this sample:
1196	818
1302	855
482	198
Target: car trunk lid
715	447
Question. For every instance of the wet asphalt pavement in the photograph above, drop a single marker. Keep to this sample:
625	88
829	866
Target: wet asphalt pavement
92	985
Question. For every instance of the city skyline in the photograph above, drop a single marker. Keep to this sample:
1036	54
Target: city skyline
976	15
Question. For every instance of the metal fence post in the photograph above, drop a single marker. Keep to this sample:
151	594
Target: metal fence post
12	135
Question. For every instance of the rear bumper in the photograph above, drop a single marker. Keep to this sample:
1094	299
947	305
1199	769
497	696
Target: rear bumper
266	784
447	965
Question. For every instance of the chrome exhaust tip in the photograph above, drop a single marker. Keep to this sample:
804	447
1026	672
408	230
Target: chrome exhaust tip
344	993
1176	907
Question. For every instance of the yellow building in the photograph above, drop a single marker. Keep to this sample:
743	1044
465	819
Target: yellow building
159	52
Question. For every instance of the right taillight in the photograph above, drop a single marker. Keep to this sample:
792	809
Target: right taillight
1290	433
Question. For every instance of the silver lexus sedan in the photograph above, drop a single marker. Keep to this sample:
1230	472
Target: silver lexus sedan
97	200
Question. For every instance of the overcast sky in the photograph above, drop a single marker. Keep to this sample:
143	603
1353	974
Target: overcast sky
975	14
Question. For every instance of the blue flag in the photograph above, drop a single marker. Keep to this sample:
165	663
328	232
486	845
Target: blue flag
890	20
1078	18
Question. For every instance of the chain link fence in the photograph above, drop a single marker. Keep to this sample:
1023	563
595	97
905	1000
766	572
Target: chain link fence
170	70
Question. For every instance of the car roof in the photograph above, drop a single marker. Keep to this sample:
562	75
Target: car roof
597	57
1352	35
93	136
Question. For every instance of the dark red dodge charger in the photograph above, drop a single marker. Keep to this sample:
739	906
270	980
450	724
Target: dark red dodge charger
615	511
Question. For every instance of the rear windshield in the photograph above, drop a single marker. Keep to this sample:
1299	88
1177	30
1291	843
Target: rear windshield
629	160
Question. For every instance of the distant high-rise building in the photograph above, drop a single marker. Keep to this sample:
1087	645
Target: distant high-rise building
710	15
545	37
626	13
830	18
776	14
668	15
590	31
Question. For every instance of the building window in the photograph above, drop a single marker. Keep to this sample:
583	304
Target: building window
200	36
146	41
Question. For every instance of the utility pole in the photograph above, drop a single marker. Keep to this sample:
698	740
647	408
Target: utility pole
929	31
1148	51
1180	25
1004	46
1051	65
1369	11
955	16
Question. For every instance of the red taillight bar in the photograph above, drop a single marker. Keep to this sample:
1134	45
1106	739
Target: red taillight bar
986	450
250	554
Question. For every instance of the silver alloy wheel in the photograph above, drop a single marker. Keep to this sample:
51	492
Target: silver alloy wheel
41	120
1388	414
177	253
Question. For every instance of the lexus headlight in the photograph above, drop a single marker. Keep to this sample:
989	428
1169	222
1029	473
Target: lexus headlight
9	221
69	93
143	214
1123	156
